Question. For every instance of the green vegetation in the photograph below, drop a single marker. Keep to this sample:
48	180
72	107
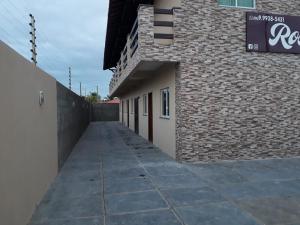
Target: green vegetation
93	97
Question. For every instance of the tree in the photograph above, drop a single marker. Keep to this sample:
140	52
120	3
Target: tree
93	97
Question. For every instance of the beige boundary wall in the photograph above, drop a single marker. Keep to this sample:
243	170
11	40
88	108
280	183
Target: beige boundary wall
28	136
164	135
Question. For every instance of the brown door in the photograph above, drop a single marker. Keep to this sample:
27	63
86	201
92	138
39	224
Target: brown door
127	113
150	117
136	115
122	111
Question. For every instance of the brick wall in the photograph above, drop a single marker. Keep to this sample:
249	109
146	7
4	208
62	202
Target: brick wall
73	117
105	112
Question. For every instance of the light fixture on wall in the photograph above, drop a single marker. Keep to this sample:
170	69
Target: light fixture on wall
42	98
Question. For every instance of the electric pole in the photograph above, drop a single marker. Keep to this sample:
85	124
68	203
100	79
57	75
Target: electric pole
80	89
70	78
33	39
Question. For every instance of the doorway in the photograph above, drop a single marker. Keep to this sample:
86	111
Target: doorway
136	115
127	102
150	117
122	111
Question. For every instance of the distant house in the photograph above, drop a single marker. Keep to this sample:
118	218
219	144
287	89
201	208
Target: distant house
114	101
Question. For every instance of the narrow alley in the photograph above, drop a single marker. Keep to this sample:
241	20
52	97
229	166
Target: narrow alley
115	177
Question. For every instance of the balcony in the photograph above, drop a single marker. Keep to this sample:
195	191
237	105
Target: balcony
150	43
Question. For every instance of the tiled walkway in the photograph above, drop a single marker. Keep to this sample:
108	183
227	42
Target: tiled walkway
114	177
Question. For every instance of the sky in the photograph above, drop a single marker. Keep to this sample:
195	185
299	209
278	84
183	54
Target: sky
70	33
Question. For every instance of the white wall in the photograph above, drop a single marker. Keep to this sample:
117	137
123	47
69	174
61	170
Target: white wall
163	129
28	137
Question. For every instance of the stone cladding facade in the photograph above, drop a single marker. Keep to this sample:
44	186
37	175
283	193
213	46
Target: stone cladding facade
151	51
148	50
232	104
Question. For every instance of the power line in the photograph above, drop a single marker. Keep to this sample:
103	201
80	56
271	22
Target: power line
42	38
16	14
21	15
9	36
12	28
46	62
17	8
9	16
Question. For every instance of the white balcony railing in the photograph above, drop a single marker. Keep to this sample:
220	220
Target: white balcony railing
127	54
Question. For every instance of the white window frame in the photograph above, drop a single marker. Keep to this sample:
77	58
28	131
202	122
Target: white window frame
145	105
242	7
167	109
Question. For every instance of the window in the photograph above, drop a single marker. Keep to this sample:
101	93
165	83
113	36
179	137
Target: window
145	104
165	103
132	106
238	3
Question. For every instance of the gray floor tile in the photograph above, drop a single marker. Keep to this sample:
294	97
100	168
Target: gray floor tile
252	190
273	211
246	190
225	179
163	217
85	160
279	188
85	157
127	185
119	157
244	164
289	163
145	151
179	181
79	176
61	189
153	157
191	196
263	172
218	174
215	214
297	223
115	173
119	165
168	170
124	203
85	221
207	169
266	189
80	166
87	206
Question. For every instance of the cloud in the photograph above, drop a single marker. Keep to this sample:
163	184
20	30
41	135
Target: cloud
69	33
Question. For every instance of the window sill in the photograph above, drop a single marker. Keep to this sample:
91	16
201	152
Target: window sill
145	114
165	117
